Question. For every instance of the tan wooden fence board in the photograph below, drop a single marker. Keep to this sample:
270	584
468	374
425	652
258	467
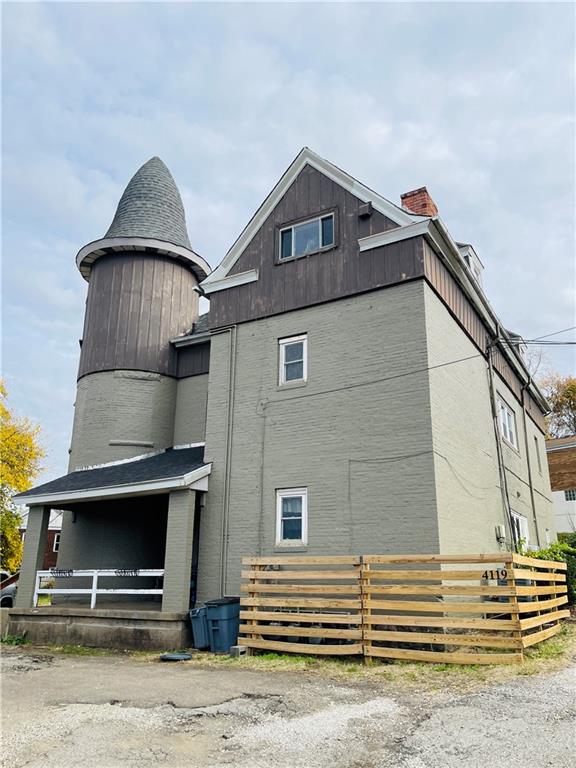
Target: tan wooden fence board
364	605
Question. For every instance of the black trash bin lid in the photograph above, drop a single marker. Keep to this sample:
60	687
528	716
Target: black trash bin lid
223	601
176	656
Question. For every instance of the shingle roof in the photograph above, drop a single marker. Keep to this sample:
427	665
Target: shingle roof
170	463
151	206
202	324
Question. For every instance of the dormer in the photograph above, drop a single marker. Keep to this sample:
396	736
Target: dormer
472	261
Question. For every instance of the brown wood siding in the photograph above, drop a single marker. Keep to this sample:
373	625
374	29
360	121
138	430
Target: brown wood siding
458	303
562	466
193	360
331	274
136	303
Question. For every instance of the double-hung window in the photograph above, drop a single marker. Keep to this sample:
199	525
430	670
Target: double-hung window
56	545
291	516
507	421
306	237
293	359
521	531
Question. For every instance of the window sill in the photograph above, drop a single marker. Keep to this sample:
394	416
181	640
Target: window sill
298	546
291	385
510	445
278	262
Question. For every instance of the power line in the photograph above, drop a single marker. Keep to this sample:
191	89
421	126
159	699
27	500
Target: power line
378	381
556	333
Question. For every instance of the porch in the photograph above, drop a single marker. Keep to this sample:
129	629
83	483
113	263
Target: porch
128	557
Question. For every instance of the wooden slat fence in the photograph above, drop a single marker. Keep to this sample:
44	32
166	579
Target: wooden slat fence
302	604
462	609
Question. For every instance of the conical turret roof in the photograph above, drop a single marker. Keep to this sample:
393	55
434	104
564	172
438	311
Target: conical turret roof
151	207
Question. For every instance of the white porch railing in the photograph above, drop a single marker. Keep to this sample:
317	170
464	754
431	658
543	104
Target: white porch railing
93	591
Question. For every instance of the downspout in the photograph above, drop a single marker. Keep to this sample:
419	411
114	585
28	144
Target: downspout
500	457
532	499
228	457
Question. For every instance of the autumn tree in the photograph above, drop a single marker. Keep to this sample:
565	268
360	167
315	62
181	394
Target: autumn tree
20	456
560	391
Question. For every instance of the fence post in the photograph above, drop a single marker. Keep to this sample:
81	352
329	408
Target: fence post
94	588
253	608
511	582
366	625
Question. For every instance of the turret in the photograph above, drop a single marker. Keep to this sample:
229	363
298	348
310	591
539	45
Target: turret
141	278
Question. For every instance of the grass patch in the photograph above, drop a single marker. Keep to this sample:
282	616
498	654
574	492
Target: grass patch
14	640
44	600
551	655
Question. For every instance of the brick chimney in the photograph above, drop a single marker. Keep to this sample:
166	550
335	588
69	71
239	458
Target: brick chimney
419	201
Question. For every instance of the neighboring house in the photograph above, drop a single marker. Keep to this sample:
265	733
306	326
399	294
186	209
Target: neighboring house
53	537
561	452
350	391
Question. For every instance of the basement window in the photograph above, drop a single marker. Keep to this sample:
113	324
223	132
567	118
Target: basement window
291	516
307	237
570	495
507	421
293	359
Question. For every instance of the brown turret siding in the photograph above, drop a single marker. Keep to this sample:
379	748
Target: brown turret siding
136	303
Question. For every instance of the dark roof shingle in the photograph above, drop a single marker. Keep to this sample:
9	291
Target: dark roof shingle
170	463
151	206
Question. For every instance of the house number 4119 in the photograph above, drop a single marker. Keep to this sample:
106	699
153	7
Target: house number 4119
500	573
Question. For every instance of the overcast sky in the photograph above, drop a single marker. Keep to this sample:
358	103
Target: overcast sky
475	101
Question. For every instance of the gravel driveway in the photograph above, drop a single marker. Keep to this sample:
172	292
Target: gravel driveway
105	712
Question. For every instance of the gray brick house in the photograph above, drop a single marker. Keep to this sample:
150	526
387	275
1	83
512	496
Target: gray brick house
351	390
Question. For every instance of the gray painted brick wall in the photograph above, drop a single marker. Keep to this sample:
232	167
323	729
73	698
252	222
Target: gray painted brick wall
361	446
190	416
179	541
121	406
36	538
465	459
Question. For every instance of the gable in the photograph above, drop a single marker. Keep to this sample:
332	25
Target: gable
221	278
335	272
310	194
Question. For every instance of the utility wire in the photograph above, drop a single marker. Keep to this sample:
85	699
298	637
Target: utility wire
556	333
378	381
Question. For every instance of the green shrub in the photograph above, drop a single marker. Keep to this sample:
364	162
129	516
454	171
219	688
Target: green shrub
563	550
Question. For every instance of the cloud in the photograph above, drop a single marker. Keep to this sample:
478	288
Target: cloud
399	95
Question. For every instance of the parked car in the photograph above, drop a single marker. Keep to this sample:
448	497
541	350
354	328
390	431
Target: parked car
8	595
3	576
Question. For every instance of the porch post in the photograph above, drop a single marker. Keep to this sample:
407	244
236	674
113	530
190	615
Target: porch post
33	557
178	558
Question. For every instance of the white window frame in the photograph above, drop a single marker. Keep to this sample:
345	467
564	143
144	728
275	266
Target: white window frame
56	544
507	422
282	344
521	521
283	493
321	247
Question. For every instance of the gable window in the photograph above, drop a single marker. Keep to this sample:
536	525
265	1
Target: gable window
56	546
307	237
570	495
293	359
521	533
292	516
507	421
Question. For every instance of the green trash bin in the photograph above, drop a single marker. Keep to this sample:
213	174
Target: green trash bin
223	616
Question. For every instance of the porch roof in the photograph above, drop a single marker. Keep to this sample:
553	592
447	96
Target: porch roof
169	470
